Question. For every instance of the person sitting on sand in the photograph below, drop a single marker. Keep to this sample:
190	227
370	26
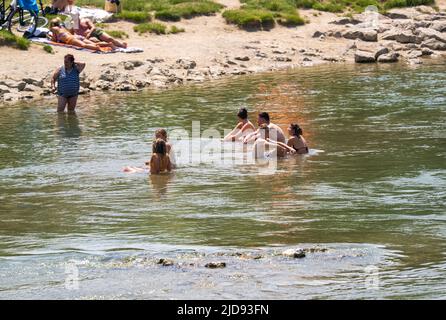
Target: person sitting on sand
160	160
275	131
88	30
243	127
296	144
62	35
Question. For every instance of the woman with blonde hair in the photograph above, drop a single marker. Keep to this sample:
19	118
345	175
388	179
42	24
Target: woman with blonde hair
63	35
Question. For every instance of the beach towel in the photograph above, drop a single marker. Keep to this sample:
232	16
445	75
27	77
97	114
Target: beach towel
95	15
103	50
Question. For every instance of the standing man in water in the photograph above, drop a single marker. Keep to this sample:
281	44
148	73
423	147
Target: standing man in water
68	83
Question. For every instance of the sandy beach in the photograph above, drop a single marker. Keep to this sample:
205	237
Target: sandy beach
212	49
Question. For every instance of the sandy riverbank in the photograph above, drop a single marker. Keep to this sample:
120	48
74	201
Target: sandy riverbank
212	49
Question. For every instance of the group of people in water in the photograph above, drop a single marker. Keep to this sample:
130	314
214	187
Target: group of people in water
162	161
267	139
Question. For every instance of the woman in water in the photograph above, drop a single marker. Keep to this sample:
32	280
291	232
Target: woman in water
160	161
296	143
162	134
243	127
68	83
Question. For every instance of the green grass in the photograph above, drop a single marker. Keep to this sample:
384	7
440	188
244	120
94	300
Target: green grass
9	39
134	16
188	10
118	34
406	3
249	18
156	28
290	20
47	48
175	29
151	27
171	10
260	14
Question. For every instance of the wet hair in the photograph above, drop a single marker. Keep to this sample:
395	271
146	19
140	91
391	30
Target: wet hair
69	57
159	146
297	131
162	133
242	113
264	115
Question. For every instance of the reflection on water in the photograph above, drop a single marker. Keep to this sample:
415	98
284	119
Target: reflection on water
374	197
68	125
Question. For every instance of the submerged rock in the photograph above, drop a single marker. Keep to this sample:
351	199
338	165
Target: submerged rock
165	262
294	253
215	265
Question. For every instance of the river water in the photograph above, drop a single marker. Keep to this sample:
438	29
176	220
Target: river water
371	192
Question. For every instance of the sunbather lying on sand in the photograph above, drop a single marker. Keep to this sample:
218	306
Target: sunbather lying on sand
62	35
88	30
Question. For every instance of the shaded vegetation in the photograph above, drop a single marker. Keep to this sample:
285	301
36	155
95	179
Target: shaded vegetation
10	40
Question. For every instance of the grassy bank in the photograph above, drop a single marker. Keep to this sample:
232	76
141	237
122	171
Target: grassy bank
10	40
253	14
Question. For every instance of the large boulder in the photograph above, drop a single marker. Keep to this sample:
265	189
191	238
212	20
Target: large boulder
401	36
365	35
186	64
345	20
388	57
426	34
406	13
4	89
438	26
35	82
433	44
364	56
380	51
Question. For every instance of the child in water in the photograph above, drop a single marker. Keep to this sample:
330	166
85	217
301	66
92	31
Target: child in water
160	134
160	161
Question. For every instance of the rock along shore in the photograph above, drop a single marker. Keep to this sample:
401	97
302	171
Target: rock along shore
407	35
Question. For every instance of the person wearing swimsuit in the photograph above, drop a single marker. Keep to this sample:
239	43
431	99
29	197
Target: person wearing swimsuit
243	127
68	83
62	35
296	144
160	161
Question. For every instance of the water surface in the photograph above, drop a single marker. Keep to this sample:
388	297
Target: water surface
375	198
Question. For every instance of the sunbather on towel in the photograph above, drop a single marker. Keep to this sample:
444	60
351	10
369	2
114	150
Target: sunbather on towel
88	30
62	35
